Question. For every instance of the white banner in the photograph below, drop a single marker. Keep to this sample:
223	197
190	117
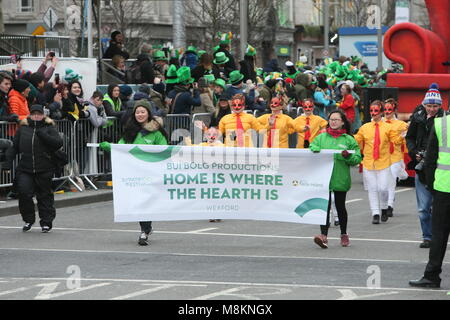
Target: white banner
165	183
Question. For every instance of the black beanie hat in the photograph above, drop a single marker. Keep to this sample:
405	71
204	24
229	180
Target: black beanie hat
20	85
37	107
37	78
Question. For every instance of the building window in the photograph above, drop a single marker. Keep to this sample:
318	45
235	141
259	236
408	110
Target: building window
25	6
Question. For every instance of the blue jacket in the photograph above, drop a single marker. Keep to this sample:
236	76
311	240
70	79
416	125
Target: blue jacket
249	98
185	100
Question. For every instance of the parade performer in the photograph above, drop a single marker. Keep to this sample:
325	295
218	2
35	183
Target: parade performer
374	139
337	137
142	128
235	126
279	125
308	125
397	151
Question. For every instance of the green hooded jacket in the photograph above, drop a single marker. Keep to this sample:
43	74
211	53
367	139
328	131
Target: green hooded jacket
340	179
302	82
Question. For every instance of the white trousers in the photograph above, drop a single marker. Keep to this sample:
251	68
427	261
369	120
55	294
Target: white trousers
377	183
397	171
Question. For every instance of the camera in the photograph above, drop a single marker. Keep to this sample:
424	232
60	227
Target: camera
51	54
419	166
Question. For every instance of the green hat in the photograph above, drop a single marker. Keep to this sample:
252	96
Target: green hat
171	76
221	58
225	38
221	83
250	51
184	75
191	49
216	48
159	56
235	76
72	75
209	77
143	103
157	46
200	53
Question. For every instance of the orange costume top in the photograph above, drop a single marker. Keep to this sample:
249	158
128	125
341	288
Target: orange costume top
284	126
228	126
397	151
316	124
366	140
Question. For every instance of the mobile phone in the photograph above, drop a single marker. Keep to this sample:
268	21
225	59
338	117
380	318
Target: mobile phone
51	54
56	78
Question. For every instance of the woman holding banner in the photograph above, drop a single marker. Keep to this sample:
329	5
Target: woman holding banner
337	136
142	128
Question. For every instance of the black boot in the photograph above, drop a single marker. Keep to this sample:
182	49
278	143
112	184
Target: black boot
384	215
425	283
390	212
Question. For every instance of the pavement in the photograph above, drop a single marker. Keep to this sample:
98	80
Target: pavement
87	256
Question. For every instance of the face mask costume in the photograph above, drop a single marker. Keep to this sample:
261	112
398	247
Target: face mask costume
375	110
237	105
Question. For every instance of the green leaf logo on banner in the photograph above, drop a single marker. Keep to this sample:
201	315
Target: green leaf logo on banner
312	204
140	154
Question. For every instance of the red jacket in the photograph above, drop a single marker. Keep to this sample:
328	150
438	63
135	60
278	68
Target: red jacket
18	104
348	105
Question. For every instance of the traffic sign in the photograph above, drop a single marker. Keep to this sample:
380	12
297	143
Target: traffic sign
50	17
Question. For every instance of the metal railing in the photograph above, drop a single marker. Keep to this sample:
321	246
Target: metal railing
34	46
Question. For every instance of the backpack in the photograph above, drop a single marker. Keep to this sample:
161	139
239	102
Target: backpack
133	74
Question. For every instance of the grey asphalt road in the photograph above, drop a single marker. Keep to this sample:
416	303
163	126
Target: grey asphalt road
88	256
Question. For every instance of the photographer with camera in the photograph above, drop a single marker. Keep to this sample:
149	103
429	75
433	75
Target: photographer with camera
419	130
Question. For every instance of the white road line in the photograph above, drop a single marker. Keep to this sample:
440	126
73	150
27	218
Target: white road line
202	230
59	294
403	190
223	234
3	293
353	200
255	284
158	288
228	292
204	255
348	294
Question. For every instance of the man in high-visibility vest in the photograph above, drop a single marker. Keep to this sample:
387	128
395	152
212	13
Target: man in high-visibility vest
437	170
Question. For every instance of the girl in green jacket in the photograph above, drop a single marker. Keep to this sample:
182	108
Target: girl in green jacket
338	137
142	128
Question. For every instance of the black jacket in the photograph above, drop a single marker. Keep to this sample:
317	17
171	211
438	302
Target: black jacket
113	50
431	158
35	141
418	132
248	71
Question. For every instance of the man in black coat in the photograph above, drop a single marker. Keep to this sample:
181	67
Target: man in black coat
419	130
36	141
116	46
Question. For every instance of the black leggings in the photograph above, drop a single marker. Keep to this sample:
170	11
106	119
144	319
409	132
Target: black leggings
339	200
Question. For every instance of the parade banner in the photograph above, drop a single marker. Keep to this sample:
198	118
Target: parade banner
166	183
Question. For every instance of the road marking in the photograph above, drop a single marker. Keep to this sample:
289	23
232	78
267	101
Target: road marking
59	294
403	190
202	255
202	230
353	200
228	292
348	294
158	288
223	234
3	293
253	284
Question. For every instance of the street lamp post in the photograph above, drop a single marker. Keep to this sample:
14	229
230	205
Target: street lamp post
243	4
380	38
326	28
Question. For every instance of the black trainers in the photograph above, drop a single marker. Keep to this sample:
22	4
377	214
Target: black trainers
425	244
384	215
46	229
336	223
376	219
425	283
390	212
143	239
27	227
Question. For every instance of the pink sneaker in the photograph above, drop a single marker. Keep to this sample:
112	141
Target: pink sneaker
345	241
321	241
